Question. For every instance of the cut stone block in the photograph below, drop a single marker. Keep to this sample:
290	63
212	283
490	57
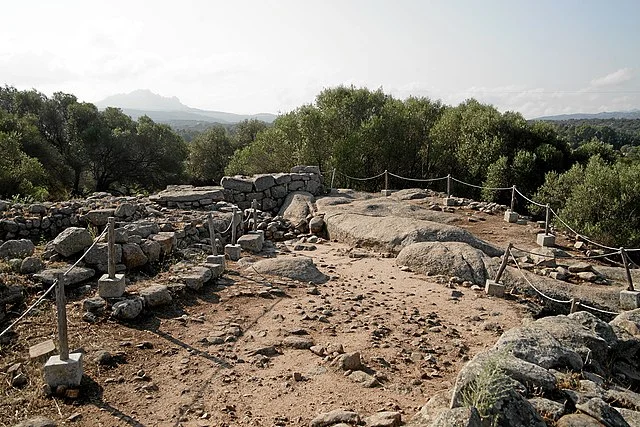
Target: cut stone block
42	351
233	252
629	300
546	240
522	221
216	259
449	201
196	277
216	269
251	242
111	288
63	372
386	193
493	288
510	216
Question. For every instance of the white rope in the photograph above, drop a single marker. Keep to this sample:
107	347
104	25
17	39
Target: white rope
481	187
583	237
529	200
534	288
571	257
416	179
55	282
360	179
598	309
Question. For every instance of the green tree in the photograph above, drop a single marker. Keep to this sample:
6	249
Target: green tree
209	154
245	132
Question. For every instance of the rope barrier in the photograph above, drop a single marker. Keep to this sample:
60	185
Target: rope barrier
585	238
572	257
598	309
416	179
481	187
360	179
536	289
55	282
529	200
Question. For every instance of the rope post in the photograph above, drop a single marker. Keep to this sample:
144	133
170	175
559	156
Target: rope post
212	235
234	232
111	268
333	176
503	265
546	221
254	206
386	180
63	343
575	305
449	185
625	262
513	197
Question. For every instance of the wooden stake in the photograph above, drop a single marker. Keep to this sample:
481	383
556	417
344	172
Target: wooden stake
233	225
63	343
625	262
212	235
254	205
112	248
503	265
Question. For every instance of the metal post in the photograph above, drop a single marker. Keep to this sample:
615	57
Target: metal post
574	305
625	262
546	221
386	181
111	268
212	235
333	176
513	197
254	205
233	225
449	185
63	343
505	260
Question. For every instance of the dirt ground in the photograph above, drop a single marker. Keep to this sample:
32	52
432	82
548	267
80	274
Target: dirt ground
413	333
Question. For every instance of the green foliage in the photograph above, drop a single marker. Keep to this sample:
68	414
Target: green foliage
19	173
490	385
497	177
209	153
603	205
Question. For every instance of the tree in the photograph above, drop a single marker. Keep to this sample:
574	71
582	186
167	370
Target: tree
245	132
209	154
19	173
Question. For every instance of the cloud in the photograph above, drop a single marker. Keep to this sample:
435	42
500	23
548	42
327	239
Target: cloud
617	77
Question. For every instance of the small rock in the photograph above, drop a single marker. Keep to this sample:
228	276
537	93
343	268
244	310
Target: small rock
384	419
335	417
103	358
19	380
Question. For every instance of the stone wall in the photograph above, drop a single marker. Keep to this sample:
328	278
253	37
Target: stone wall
270	190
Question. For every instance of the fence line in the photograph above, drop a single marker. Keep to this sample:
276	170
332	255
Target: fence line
512	188
533	286
55	282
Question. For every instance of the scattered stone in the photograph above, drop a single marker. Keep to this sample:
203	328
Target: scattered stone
581	267
94	304
335	417
384	419
350	361
601	411
298	342
31	265
103	357
37	422
364	379
71	241
42	351
156	295
19	381
128	309
297	268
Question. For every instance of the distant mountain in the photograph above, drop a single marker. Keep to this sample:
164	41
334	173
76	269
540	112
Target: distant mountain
169	109
633	114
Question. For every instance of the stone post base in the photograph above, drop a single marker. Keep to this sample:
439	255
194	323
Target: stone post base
510	216
546	240
493	288
629	300
386	193
449	201
233	252
63	372
111	288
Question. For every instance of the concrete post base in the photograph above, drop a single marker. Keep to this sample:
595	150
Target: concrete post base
449	201
63	372
386	193
216	259
111	288
233	252
251	242
493	288
510	216
216	269
629	300
546	240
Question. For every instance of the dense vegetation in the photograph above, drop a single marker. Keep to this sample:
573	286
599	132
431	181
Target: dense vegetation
588	170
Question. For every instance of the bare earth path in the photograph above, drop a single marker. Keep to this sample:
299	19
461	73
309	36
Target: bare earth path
413	333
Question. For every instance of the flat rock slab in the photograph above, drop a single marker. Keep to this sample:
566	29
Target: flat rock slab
335	417
188	193
297	268
75	276
196	277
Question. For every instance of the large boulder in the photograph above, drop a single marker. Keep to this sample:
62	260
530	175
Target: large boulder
155	295
447	258
72	241
297	268
17	248
392	233
75	276
99	217
297	206
133	256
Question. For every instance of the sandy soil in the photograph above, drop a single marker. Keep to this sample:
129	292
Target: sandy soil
413	333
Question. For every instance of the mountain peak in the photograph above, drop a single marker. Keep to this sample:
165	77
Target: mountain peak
143	99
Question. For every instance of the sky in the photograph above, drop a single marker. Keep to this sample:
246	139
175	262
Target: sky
540	57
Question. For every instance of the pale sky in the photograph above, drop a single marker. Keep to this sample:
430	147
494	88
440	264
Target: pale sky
536	57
